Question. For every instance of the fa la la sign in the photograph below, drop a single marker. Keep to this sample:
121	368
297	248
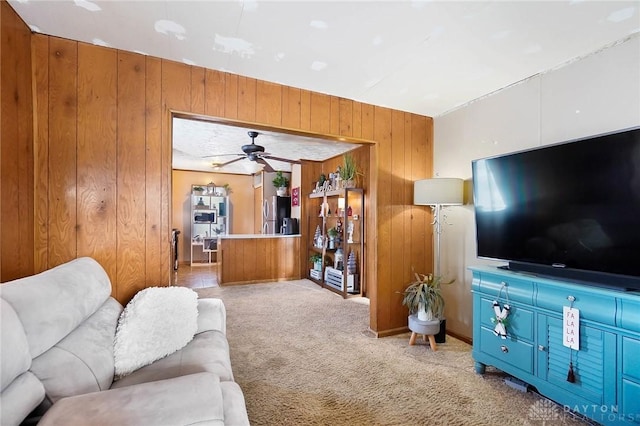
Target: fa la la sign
571	328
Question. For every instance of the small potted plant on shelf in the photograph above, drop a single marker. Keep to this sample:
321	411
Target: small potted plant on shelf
197	190
424	299
348	171
333	234
281	183
316	259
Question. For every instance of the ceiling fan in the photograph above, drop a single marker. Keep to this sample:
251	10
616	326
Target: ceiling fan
254	152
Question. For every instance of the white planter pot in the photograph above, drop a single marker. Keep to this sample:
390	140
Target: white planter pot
281	192
424	314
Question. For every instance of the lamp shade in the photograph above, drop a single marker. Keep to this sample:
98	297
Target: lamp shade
429	192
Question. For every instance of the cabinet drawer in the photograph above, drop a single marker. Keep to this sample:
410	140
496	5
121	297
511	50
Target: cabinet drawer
629	314
514	288
631	358
519	320
517	353
631	401
594	306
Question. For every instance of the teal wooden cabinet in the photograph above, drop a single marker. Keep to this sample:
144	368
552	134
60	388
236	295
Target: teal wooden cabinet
607	365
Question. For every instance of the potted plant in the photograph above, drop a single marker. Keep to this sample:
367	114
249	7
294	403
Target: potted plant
424	297
316	259
197	190
348	171
333	234
281	183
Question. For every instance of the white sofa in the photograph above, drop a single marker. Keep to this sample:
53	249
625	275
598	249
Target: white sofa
57	355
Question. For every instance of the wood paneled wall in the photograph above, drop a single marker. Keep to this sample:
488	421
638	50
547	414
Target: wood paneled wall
16	147
102	160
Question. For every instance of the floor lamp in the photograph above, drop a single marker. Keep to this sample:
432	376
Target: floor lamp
437	192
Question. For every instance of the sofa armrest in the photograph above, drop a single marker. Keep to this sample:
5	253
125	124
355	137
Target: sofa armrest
192	399
212	315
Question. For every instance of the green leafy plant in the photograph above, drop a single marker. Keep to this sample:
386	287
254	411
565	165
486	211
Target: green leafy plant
332	232
349	170
425	290
198	189
280	181
315	257
227	188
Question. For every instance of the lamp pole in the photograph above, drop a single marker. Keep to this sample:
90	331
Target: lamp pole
437	229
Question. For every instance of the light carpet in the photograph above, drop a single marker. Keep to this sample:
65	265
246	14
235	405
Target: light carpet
304	356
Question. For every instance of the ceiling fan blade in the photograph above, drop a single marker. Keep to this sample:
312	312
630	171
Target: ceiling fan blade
267	167
221	155
228	162
286	160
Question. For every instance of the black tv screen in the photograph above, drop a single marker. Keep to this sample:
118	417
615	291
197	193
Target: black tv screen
569	210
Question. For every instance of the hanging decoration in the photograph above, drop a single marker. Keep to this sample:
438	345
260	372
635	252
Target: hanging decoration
501	314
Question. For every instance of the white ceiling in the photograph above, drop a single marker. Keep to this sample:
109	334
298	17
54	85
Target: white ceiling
426	57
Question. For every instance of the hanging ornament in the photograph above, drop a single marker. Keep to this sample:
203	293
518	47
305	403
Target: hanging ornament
500	319
501	313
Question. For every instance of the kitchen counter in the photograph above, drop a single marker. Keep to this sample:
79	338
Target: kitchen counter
254	258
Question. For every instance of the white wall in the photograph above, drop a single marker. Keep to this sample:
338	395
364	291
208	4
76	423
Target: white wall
597	94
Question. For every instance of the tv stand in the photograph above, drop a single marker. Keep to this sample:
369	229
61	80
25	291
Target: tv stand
607	373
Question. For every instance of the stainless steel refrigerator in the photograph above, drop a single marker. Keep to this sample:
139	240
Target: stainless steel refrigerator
274	210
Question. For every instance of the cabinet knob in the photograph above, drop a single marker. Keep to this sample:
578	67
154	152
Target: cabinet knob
541	348
504	349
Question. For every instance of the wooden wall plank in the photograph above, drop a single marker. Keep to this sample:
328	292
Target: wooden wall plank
368	122
320	113
214	93
176	96
357	120
346	117
422	249
153	172
399	239
382	130
334	120
197	90
131	173
269	103
291	107
247	98
9	152
96	155
40	55
231	96
63	85
305	110
24	100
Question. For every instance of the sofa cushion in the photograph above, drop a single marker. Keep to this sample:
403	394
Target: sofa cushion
155	323
53	303
212	315
14	348
83	361
187	400
21	390
208	351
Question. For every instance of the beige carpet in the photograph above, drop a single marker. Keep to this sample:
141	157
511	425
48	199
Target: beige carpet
304	356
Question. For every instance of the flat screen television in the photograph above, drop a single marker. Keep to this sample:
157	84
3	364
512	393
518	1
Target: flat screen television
568	210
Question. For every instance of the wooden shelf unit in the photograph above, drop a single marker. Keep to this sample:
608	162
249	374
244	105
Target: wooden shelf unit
209	218
325	214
